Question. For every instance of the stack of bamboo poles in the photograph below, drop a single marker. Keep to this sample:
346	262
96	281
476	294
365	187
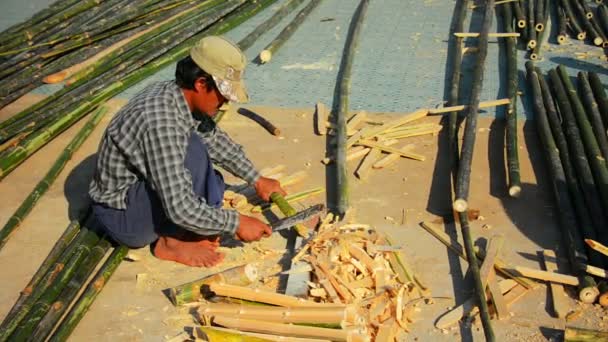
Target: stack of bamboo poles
24	133
361	290
576	18
572	127
39	312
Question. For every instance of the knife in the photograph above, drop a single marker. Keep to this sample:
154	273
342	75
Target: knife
300	217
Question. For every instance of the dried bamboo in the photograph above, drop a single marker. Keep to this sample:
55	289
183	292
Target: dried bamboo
15	220
330	315
341	202
287	32
491	35
267	125
597	246
215	334
93	289
560	307
261	296
573	334
191	292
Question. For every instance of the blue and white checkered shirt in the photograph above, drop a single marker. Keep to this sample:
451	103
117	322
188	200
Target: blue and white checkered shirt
147	139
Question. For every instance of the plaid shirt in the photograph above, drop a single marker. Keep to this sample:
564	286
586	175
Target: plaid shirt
147	139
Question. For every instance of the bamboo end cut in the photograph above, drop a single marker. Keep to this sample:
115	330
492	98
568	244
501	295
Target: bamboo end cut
588	294
581	36
265	56
514	191
531	44
561	39
460	205
598	41
521	23
539	27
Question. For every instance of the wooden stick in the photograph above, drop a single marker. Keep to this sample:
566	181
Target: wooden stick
484	104
491	35
257	295
500	305
385	148
560	308
597	246
493	248
287	329
391	157
547	276
267	125
412	133
363	170
372	131
572	334
355	120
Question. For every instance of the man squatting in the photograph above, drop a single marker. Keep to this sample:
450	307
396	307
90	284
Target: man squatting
155	182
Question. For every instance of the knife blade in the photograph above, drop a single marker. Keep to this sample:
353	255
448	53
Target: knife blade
299	217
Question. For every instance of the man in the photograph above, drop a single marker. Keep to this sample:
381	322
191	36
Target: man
155	182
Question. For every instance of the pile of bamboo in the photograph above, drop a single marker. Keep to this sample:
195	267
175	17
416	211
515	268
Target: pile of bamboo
572	128
361	290
577	18
26	132
39	312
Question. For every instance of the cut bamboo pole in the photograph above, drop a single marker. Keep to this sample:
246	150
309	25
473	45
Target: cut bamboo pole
560	307
573	334
372	131
258	295
600	96
329	315
491	35
593	113
214	334
391	157
283	36
289	329
562	31
191	292
24	209
603	298
341	202
519	15
531	27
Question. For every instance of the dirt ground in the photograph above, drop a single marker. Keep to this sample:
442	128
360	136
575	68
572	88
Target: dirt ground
133	306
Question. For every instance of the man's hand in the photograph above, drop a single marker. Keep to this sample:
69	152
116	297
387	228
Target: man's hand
251	229
266	186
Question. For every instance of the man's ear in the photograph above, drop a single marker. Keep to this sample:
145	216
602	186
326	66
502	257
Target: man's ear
200	85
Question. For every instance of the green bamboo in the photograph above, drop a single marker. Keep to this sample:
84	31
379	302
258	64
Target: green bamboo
24	209
586	10
600	96
585	21
93	289
593	113
60	305
216	335
535	54
341	203
511	114
575	334
11	322
603	18
39	309
58	248
272	48
271	22
573	21
288	211
519	14
531	27
541	10
597	163
562	32
585	200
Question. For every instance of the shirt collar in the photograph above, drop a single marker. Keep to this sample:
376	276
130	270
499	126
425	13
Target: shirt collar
182	105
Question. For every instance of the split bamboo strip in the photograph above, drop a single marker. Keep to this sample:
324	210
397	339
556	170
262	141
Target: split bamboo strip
262	296
597	246
547	276
341	202
483	104
560	307
286	329
287	32
330	315
491	35
271	22
15	220
388	149
573	334
213	334
362	172
391	157
86	299
370	132
412	133
321	115
541	11
191	292
468	144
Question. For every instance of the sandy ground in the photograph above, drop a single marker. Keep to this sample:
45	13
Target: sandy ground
395	200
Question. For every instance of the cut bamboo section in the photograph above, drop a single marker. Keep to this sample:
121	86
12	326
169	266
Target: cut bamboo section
290	329
560	308
328	315
412	133
290	198
191	292
258	295
491	35
373	131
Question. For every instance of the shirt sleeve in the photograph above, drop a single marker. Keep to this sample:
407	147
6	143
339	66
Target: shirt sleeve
165	151
229	155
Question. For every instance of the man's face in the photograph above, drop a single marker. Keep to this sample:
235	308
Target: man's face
208	100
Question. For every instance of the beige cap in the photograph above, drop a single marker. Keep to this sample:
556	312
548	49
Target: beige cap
225	62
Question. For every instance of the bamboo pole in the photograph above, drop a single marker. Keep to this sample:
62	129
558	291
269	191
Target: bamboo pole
259	295
267	125
519	15
372	131
388	149
491	35
191	292
531	27
343	92
600	97
593	113
92	291
562	32
541	11
329	315
281	38
213	334
573	21
597	246
547	276
24	209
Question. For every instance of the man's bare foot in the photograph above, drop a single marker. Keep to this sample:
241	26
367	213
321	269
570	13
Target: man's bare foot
191	253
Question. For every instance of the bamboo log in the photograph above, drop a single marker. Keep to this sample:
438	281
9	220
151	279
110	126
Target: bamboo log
491	35
511	113
258	295
267	125
391	157
603	18
464	169
543	5
372	131
519	14
343	89
593	113
597	246
531	27
573	21
590	217
191	292
93	289
562	33
586	22
560	307
573	334
600	96
287	32
330	315
24	209
541	10
288	329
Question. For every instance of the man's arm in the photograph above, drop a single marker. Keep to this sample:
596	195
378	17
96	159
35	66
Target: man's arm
165	151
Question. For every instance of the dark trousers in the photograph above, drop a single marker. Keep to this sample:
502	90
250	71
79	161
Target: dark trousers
144	218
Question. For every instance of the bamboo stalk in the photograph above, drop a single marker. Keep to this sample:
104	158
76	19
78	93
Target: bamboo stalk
214	334
593	113
271	22
287	32
191	292
93	289
491	35
331	315
562	34
267	125
19	215
262	296
541	9
586	22
519	15
600	97
573	21
531	27
343	92
372	131
573	334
